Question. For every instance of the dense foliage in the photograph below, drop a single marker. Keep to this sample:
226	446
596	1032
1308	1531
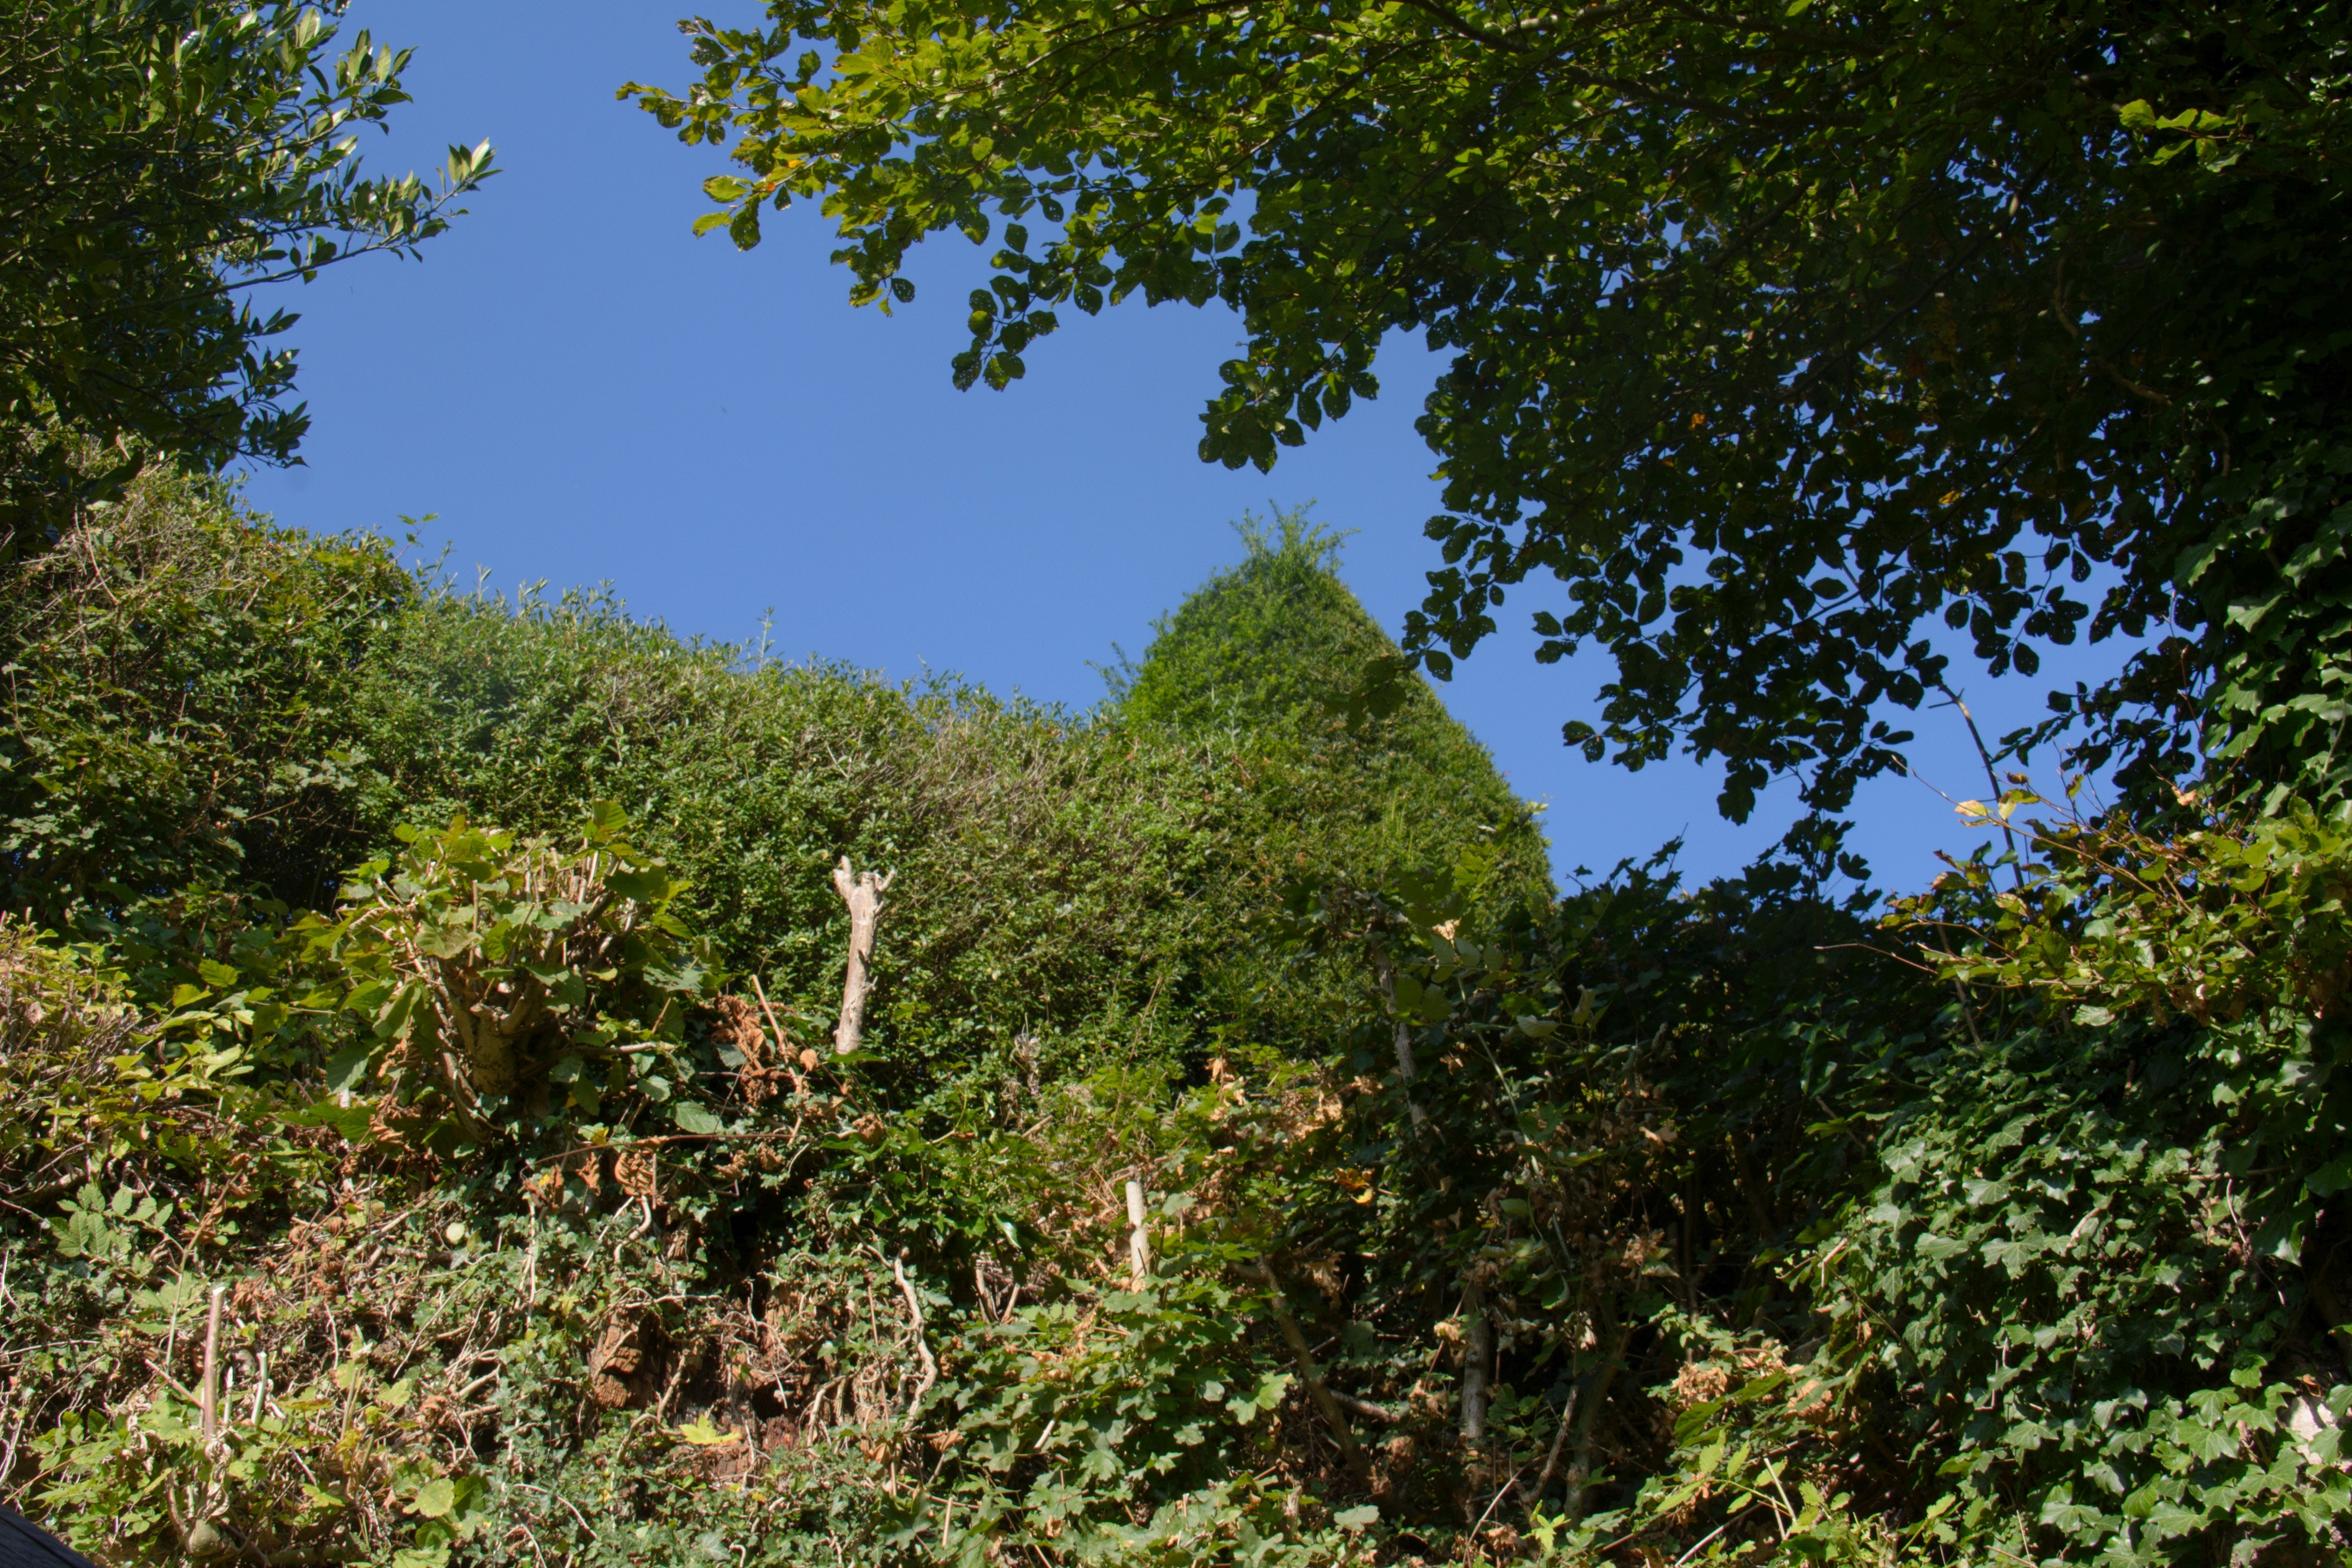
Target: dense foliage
157	159
459	1015
1787	338
1273	651
203	702
1073	916
180	689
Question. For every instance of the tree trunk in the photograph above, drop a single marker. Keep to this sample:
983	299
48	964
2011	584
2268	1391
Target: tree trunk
1477	1364
1406	1068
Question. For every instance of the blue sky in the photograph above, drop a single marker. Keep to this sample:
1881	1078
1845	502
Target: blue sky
580	390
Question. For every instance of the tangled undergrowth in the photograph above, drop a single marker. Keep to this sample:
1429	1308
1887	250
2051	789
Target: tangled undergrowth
1587	1253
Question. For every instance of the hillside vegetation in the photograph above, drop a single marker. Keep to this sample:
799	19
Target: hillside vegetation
491	1082
219	724
450	985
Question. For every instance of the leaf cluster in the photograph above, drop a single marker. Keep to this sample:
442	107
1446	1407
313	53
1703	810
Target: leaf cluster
158	158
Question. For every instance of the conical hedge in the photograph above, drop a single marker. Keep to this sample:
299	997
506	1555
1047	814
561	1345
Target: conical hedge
1267	653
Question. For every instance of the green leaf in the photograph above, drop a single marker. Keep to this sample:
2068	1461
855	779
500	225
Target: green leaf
351	1120
348	1068
643	886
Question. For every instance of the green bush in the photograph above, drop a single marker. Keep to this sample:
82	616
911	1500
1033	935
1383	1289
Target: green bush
182	692
1273	655
205	703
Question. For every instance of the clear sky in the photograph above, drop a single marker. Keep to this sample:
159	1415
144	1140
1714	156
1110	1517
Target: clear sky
578	391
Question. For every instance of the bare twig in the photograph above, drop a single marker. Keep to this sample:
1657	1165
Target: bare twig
9	1454
1534	1494
783	1042
174	1385
585	1527
1501	1493
1359	1466
1984	755
809	1417
1384	1414
922	1344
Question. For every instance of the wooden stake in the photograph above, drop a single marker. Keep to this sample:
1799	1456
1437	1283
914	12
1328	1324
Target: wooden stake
1406	1068
1477	1363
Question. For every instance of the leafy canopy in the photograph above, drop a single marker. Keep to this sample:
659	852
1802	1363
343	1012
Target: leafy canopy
157	159
1785	336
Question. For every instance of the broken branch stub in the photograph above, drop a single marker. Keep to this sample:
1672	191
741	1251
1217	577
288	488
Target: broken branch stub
862	892
210	1407
1139	1242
